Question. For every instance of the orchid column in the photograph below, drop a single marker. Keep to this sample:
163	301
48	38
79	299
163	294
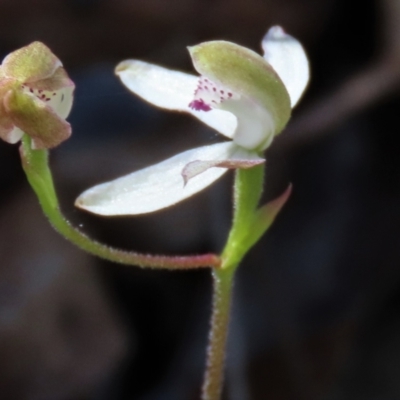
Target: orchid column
248	99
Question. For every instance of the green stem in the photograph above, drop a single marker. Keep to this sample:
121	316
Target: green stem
35	165
247	192
222	298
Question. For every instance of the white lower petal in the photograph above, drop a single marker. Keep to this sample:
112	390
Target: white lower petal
61	101
256	126
155	187
288	58
15	135
172	90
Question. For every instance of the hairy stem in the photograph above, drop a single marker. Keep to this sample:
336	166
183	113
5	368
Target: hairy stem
222	298
247	192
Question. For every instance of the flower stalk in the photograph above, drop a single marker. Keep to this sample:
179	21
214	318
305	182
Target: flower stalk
222	298
247	191
249	224
36	168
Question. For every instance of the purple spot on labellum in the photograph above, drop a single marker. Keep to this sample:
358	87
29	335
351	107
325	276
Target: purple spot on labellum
199	105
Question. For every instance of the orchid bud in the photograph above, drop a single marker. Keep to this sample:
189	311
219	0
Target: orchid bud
35	97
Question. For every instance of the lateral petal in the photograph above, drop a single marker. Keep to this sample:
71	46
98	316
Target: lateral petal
172	90
36	119
155	187
288	58
6	124
11	136
57	81
241	158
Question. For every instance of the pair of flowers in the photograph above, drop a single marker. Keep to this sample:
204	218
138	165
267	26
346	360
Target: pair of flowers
245	97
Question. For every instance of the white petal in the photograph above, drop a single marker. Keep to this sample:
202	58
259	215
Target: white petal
256	126
15	135
289	60
155	187
172	90
61	101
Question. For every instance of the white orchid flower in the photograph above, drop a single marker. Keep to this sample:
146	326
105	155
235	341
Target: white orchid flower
245	97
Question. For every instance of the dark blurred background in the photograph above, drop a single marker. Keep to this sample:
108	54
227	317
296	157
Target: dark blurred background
317	301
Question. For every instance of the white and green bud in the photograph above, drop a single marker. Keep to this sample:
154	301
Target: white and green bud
35	97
